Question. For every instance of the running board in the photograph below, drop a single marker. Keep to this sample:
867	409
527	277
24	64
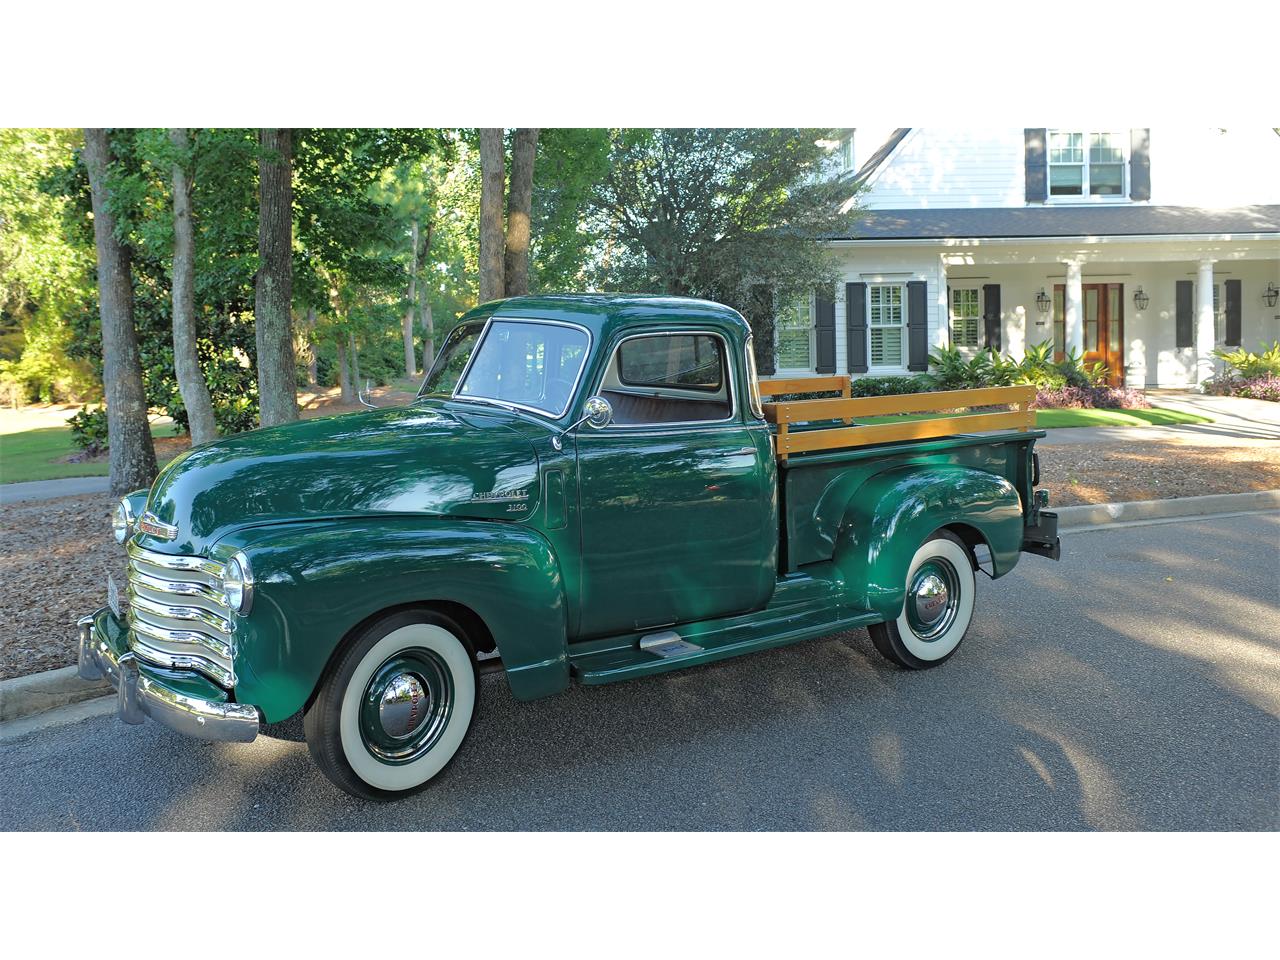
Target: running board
668	643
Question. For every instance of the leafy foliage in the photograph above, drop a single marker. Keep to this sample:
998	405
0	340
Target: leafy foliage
1091	397
951	369
1250	365
89	430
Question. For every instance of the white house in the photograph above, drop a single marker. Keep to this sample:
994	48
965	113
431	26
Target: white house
1144	249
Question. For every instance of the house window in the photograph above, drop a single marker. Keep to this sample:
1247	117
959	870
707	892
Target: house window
1059	322
965	317
886	319
846	154
795	335
1086	164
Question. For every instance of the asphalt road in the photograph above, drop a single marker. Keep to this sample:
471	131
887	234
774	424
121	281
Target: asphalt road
1134	685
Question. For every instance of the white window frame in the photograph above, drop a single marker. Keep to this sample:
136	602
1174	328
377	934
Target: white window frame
1085	196
779	369
901	367
951	316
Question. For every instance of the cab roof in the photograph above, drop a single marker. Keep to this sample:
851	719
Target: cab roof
603	313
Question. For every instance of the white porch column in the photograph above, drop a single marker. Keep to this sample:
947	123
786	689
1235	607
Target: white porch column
1204	321
1073	310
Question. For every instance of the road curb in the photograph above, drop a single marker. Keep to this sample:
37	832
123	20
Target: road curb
1098	514
38	692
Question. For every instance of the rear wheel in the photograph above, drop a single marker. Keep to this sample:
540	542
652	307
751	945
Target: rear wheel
395	706
938	607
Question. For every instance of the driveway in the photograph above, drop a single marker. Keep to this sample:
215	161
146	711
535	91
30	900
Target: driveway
1133	686
1237	421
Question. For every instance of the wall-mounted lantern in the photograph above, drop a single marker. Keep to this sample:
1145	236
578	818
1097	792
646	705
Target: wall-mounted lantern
1140	299
1042	301
1271	294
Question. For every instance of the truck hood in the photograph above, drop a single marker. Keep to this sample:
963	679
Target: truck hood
426	458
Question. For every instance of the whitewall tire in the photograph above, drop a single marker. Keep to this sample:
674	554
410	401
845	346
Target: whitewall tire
938	606
395	706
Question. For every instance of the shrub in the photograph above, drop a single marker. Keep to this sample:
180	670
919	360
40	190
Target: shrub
1263	387
1091	397
1252	365
889	386
89	430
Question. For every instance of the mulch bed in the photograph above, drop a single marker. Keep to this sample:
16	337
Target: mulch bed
55	554
54	559
1154	470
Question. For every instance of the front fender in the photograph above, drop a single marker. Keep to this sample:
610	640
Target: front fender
890	515
316	580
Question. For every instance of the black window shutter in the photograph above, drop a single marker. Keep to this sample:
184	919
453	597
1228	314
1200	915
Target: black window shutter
991	316
855	324
1140	163
1037	163
917	326
1231	294
760	318
825	322
1182	315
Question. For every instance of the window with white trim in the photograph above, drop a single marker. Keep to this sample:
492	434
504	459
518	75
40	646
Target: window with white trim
966	316
1086	163
887	324
794	330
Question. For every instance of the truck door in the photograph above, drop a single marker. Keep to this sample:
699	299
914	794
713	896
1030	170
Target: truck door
677	495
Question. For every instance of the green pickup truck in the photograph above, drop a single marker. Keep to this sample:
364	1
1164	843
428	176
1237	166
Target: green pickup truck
586	487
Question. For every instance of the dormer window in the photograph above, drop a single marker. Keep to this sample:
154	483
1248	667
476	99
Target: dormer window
1086	163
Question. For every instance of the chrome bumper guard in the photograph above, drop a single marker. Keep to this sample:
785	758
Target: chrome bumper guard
139	697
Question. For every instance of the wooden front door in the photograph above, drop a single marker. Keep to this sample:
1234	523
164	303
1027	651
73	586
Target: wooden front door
1103	326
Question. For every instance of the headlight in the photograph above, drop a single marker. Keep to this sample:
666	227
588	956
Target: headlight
237	584
122	521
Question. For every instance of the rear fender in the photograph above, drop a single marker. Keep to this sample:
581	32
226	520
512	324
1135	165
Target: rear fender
316	581
890	515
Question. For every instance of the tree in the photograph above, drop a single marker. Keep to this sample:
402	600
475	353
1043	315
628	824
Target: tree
492	188
186	363
133	455
524	150
712	213
571	164
273	289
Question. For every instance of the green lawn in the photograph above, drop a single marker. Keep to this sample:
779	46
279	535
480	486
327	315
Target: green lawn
33	455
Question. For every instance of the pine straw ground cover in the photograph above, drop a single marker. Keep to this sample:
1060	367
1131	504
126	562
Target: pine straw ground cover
55	554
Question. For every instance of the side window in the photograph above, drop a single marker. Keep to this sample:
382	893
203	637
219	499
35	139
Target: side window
668	378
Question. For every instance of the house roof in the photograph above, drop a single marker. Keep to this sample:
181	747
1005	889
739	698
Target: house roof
1051	221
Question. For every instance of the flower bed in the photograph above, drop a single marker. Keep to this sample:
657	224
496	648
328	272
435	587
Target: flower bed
1263	387
1092	397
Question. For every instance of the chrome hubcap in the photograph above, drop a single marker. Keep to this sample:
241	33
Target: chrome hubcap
933	599
405	706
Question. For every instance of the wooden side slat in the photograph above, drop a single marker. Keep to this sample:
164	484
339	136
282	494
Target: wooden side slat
777	386
799	442
801	411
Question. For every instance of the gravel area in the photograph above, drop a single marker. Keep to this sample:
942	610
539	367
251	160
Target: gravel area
1155	470
54	559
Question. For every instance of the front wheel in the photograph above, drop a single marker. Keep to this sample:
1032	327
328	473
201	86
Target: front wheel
938	607
394	707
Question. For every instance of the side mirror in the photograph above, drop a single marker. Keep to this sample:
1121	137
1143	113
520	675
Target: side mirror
599	412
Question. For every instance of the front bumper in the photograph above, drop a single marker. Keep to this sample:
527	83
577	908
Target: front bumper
140	695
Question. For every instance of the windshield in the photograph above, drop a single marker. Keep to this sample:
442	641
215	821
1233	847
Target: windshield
451	360
527	363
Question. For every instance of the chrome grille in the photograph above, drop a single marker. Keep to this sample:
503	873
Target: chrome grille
177	615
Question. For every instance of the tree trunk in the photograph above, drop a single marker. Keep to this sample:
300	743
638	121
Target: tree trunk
428	326
519	209
313	358
133	455
428	337
492	184
273	286
410	356
353	356
344	373
186	364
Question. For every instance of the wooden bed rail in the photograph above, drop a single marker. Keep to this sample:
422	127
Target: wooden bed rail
780	385
847	409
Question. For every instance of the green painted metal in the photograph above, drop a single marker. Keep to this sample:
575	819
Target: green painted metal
566	557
